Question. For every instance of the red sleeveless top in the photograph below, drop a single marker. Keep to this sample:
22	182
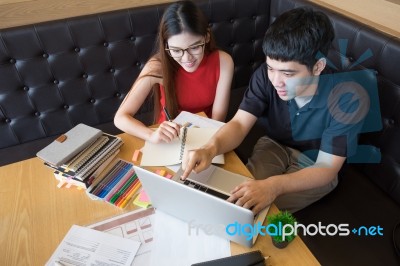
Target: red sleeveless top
196	90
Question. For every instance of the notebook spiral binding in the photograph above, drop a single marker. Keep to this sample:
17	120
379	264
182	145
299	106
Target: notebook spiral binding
183	142
85	171
87	153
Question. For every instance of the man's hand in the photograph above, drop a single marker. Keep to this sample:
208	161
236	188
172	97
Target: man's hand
196	160
254	195
166	132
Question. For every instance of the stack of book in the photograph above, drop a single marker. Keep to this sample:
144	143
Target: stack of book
80	155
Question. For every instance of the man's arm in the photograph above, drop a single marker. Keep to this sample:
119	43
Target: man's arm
258	194
321	173
227	138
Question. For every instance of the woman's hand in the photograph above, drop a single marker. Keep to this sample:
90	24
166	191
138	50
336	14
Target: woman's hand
166	132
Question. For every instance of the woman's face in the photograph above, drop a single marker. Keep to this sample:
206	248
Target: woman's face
187	49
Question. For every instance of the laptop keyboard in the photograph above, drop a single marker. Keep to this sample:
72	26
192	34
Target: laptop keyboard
205	189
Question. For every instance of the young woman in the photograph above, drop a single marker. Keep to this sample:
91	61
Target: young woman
187	73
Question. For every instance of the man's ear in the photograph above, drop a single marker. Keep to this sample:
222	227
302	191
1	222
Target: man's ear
319	66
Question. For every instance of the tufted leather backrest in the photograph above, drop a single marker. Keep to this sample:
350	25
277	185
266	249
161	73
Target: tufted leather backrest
239	28
384	63
57	74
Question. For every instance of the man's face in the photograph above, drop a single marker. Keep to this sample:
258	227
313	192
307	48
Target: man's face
291	79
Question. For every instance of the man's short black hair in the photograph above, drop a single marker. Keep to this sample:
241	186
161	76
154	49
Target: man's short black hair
299	35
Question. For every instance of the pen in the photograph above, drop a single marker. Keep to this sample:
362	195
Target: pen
167	114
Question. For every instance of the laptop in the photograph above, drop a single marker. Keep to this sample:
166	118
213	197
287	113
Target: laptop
200	201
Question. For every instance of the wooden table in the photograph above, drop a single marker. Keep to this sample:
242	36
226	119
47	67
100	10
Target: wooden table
35	215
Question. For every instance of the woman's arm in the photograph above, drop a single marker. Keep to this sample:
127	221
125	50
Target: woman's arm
221	101
124	119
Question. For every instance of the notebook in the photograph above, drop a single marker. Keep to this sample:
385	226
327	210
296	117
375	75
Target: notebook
94	160
201	201
100	157
69	144
79	160
162	154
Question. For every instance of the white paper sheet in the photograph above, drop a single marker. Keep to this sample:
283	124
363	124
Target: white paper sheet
173	245
174	167
197	120
137	225
85	246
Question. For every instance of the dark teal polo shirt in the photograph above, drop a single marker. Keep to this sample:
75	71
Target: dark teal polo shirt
330	122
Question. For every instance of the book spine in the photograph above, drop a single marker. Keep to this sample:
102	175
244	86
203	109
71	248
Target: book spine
101	158
84	156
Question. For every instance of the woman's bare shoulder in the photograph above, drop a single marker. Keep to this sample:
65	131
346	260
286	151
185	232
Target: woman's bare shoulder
225	58
152	68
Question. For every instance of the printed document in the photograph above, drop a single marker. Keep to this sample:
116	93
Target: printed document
85	246
136	225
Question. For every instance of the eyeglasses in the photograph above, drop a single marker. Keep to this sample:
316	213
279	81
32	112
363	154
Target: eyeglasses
192	50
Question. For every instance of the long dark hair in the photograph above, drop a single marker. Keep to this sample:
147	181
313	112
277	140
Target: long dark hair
182	16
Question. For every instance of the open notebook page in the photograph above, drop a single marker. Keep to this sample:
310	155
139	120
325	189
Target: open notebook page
163	154
197	137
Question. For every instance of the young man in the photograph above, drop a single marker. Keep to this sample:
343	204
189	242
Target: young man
311	126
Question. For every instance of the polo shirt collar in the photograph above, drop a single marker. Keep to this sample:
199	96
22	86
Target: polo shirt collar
320	98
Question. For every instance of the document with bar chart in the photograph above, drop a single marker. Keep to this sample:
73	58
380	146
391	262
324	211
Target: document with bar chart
136	225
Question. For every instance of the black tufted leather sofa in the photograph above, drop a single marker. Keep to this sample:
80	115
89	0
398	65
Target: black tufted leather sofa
57	74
